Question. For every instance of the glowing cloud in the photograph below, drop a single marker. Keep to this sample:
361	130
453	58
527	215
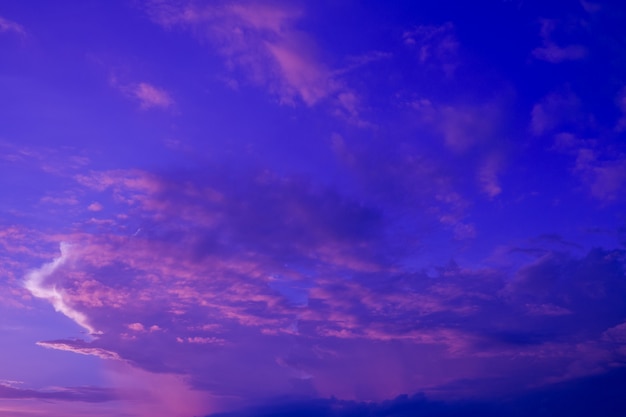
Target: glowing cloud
35	283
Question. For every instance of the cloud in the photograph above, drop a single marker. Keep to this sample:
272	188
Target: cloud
83	394
488	176
263	42
605	178
35	282
9	26
597	162
556	112
437	46
148	95
261	284
596	158
48	159
95	206
550	51
79	346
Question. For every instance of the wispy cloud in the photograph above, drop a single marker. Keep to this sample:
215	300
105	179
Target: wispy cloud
262	40
150	96
147	95
599	165
9	26
81	347
83	394
437	46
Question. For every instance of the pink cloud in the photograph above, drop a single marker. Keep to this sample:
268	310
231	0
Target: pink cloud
137	327
75	347
95	206
302	76
262	40
150	96
147	95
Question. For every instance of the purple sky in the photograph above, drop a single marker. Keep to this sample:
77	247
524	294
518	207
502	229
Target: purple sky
214	206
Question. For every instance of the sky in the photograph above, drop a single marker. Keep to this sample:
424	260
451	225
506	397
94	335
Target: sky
336	208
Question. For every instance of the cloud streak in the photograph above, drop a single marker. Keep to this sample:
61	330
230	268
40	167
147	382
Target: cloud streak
82	394
9	26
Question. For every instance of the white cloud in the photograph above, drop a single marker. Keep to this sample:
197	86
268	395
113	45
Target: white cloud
35	283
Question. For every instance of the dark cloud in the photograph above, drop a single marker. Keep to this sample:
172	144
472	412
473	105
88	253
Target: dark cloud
596	395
